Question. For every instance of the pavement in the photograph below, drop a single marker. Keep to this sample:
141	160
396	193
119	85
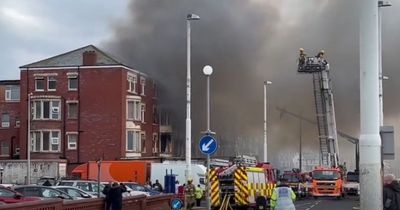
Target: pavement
327	204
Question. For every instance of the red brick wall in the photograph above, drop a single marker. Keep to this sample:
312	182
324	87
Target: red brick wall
10	134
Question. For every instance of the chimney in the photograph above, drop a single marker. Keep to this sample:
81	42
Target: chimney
89	58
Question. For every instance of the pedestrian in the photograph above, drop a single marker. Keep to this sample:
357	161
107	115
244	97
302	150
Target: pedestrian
198	195
106	192
282	197
157	186
391	193
148	184
176	186
47	183
115	196
190	193
261	201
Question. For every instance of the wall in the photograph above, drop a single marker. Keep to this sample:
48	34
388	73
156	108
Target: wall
15	171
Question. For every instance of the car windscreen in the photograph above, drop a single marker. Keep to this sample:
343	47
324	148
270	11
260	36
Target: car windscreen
291	178
353	178
62	183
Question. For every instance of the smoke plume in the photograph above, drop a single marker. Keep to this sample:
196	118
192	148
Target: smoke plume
248	42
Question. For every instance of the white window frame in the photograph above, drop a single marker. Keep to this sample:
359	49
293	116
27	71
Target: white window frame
142	85
52	141
156	141
36	84
5	124
52	109
72	145
142	111
136	110
69	82
137	143
132	80
8	93
53	79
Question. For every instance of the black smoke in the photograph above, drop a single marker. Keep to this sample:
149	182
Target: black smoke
248	42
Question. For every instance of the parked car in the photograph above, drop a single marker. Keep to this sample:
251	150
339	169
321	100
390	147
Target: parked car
42	191
85	185
43	179
140	188
11	196
75	192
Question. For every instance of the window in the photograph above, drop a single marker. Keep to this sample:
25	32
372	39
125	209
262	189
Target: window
5	148
133	143
142	111
5	120
72	110
73	82
45	141
143	141
132	81
72	141
12	93
51	83
39	84
155	114
6	193
134	110
46	109
142	84
155	140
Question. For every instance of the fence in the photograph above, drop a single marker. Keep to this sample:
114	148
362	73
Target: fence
160	202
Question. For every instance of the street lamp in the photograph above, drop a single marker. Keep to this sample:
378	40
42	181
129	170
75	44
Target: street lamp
207	70
381	77
188	141
265	120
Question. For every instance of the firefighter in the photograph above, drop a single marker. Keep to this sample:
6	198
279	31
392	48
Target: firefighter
283	196
302	58
190	193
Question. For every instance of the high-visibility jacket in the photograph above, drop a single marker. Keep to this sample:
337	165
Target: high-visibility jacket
282	198
198	193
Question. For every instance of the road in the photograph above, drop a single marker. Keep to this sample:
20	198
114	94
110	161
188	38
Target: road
327	204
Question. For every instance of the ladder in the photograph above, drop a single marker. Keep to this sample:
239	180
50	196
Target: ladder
324	105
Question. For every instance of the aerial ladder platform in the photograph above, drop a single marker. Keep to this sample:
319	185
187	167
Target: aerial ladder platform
318	67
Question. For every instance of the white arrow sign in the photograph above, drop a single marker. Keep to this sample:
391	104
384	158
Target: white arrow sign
206	147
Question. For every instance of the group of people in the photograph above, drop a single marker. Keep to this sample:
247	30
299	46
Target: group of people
113	193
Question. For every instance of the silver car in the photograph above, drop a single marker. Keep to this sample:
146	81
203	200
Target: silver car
75	192
89	187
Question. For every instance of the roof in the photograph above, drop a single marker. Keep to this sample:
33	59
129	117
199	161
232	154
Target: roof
9	82
74	58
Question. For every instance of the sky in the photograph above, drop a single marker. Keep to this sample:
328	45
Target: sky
34	30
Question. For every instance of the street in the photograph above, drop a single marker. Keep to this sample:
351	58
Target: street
327	204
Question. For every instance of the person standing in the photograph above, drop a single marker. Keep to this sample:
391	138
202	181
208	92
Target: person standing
261	201
115	196
157	186
198	195
190	193
283	196
391	193
106	191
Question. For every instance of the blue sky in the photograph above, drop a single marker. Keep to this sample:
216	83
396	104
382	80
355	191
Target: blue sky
34	30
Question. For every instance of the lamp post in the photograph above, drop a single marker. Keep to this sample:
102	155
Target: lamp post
188	141
207	70
265	121
381	4
98	176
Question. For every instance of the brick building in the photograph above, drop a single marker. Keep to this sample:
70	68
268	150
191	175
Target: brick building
84	105
10	119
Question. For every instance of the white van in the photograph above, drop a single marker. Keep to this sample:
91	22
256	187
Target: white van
158	171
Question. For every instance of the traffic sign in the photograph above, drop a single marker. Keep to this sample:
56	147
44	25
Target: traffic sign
176	204
208	145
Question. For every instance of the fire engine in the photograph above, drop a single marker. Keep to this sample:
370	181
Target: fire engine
237	185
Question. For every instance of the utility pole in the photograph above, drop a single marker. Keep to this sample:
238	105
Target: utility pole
370	141
265	121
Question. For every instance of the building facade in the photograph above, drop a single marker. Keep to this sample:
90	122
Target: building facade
10	119
83	105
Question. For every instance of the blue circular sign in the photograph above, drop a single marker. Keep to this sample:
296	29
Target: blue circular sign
176	204
208	145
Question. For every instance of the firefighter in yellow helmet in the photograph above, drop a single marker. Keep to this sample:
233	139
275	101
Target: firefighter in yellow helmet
190	193
283	197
